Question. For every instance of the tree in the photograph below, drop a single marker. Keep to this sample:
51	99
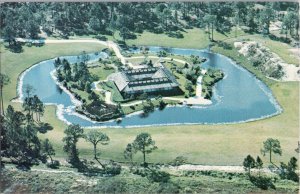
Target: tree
144	143
2	138
23	144
48	149
124	33
94	136
251	20
289	22
37	107
289	171
249	163
73	133
210	21
266	16
271	146
129	152
4	80
28	89
94	24
259	164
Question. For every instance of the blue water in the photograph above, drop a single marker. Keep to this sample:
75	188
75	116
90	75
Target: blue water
239	97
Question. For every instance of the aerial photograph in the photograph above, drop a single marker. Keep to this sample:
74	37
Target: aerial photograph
149	97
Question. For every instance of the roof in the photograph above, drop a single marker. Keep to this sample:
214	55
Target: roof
144	79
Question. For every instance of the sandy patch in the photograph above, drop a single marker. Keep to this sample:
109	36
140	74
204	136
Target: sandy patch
291	72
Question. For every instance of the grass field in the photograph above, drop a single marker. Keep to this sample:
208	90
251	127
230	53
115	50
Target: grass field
193	38
202	144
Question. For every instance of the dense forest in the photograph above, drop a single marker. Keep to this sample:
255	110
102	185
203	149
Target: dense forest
29	20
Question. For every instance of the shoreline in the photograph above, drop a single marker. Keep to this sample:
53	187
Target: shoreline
60	108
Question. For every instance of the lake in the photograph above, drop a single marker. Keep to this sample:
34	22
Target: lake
239	97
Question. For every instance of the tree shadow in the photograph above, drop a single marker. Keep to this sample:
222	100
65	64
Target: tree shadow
15	47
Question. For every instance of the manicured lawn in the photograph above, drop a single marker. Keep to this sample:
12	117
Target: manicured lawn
138	61
102	72
193	38
116	95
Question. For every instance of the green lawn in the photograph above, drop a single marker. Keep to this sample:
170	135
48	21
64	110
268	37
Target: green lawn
101	71
115	94
193	38
13	64
202	144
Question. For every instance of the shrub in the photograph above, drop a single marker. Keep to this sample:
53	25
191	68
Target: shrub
162	105
113	168
162	54
288	171
158	176
99	37
179	160
168	188
158	30
54	164
262	182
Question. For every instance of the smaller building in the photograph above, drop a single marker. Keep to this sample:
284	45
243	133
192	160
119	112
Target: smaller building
154	80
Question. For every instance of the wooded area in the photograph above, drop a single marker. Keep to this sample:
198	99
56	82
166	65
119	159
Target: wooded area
28	20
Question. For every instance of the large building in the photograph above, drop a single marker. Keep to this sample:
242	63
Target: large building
154	80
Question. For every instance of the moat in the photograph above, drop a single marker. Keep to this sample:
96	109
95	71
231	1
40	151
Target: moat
239	97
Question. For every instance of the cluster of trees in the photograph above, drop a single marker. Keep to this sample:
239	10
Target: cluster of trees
73	133
29	19
143	143
285	171
77	74
32	104
210	78
149	106
19	133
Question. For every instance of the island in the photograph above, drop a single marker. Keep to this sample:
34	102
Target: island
109	89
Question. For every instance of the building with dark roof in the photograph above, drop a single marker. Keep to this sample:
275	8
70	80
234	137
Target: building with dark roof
154	80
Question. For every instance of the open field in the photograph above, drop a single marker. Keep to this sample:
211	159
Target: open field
202	144
193	38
